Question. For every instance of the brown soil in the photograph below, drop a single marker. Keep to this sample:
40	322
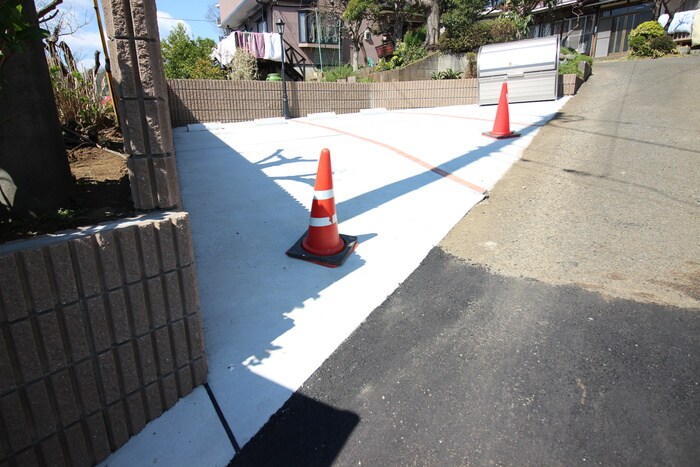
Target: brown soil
101	192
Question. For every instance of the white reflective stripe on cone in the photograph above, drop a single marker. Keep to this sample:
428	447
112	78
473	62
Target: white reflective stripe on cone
323	194
322	221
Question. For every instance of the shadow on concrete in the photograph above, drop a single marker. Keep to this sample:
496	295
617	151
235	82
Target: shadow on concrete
303	432
242	223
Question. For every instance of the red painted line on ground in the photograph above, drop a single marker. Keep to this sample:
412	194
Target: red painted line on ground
422	163
468	118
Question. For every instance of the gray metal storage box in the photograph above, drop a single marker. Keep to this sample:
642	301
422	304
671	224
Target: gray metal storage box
530	67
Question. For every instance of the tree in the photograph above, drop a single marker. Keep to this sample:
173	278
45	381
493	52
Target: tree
432	23
459	15
394	14
356	14
35	176
520	12
185	58
15	29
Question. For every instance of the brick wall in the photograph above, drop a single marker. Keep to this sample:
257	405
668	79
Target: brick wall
100	333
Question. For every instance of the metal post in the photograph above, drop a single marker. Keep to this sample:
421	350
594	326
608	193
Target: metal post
285	100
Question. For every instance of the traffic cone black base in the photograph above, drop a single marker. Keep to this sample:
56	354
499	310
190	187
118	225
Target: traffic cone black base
512	134
332	261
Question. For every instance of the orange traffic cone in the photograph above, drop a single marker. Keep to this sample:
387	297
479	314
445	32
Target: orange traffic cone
501	127
322	244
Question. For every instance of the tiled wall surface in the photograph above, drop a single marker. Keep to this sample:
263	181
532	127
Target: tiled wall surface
100	333
199	101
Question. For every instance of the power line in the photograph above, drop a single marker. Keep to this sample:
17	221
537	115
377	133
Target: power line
184	19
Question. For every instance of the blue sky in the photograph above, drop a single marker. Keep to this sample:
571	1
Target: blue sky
86	40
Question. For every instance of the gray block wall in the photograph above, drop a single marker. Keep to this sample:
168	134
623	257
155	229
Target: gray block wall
100	333
142	102
197	101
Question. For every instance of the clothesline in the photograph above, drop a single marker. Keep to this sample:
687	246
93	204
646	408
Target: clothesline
264	45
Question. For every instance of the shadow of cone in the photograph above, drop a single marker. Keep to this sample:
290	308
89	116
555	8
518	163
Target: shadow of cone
322	244
501	126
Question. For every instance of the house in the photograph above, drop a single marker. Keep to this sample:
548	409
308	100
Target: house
598	27
313	32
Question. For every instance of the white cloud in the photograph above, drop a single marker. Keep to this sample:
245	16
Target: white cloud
167	23
84	40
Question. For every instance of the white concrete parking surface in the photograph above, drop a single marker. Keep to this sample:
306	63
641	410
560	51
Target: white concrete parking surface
402	180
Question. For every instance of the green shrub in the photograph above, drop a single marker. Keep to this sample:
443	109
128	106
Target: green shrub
469	40
333	74
409	52
571	66
243	66
415	38
81	106
385	64
503	29
648	29
479	33
471	71
446	74
640	46
649	40
203	68
404	54
663	44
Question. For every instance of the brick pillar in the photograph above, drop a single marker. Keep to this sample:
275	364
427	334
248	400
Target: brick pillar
142	101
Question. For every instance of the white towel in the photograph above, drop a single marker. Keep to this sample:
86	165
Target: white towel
275	51
225	50
268	46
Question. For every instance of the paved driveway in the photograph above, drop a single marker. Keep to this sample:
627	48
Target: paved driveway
557	324
402	180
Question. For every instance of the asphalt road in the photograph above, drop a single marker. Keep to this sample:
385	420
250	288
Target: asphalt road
557	324
607	197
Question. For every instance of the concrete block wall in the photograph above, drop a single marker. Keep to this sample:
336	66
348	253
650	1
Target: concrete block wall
100	333
430	93
142	102
197	101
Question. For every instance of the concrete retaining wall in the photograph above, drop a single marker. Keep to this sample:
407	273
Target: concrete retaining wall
100	333
424	68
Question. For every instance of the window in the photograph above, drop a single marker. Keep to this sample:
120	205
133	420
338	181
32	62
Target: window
307	27
576	33
314	26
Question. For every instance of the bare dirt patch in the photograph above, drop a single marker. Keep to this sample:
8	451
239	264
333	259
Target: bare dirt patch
101	191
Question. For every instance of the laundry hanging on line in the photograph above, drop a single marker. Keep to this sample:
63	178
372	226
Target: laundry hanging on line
264	45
